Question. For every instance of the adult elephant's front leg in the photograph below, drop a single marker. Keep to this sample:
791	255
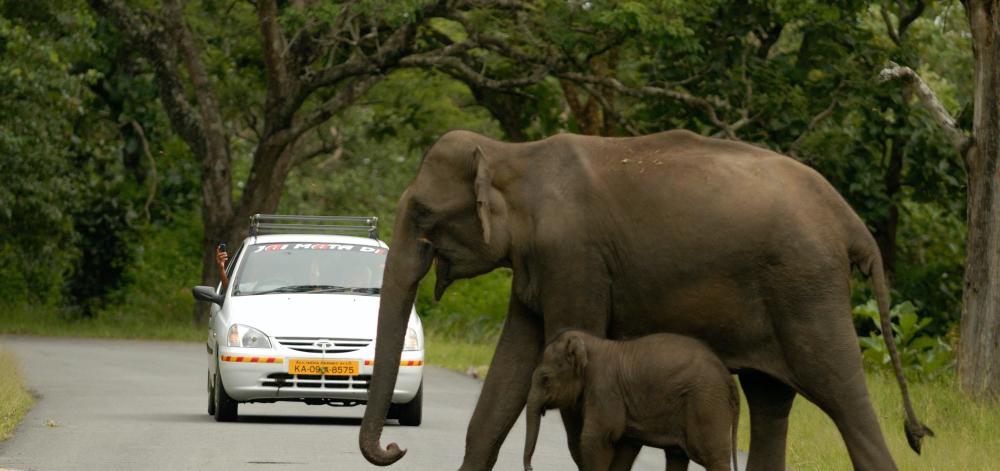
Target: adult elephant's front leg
506	389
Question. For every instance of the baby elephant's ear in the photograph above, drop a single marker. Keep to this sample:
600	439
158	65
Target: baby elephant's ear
576	354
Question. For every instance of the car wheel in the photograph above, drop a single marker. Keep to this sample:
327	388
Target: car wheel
225	406
411	413
211	396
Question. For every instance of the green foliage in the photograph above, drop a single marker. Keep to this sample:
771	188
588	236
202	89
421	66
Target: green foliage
39	98
158	278
154	301
74	230
924	357
471	310
383	141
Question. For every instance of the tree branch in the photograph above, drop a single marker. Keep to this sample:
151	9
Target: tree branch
819	118
325	146
456	67
151	40
624	122
646	91
279	81
152	169
889	27
944	119
341	100
709	105
208	105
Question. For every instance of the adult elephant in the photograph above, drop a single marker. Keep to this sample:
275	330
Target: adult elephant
623	237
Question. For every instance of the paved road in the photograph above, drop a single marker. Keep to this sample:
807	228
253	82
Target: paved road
127	405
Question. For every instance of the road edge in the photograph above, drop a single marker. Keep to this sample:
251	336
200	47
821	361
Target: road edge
15	399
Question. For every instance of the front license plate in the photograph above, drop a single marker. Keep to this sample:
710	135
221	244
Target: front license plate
323	367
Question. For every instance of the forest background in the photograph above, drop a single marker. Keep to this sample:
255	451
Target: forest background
136	135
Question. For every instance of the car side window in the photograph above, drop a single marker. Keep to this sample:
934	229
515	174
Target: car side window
230	268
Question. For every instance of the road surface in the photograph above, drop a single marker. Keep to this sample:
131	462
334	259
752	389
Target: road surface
139	405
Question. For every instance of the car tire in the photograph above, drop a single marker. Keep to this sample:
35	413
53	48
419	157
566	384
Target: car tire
211	395
411	413
225	406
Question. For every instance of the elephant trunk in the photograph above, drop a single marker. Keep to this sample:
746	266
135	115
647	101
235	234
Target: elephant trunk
405	266
533	417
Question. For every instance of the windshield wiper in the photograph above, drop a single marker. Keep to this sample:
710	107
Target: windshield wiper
331	289
371	290
300	289
348	289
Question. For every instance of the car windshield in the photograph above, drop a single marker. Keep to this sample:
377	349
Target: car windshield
310	268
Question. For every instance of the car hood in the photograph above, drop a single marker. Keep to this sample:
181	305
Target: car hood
307	315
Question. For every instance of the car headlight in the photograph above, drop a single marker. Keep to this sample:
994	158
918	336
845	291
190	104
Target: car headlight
247	337
411	342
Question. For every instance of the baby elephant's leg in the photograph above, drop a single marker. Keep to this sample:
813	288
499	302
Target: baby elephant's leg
597	446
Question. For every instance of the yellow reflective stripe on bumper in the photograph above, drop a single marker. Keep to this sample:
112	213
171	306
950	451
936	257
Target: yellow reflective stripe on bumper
402	363
253	359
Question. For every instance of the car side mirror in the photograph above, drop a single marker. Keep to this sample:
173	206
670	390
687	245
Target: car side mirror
206	293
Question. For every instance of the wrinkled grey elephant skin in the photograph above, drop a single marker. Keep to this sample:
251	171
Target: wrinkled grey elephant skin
624	237
662	390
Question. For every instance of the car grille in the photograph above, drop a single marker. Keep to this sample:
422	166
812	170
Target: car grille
322	344
285	380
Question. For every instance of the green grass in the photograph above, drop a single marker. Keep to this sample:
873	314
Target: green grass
14	399
458	355
26	320
967	434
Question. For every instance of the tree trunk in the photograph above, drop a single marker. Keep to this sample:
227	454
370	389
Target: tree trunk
885	229
979	354
216	216
507	109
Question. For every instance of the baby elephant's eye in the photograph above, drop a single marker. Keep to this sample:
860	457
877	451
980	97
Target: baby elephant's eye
545	380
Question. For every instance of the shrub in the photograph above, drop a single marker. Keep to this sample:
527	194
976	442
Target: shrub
924	357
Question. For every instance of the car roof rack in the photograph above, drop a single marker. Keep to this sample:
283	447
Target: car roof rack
263	224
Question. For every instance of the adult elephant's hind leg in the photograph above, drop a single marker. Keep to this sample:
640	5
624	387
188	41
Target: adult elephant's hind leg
506	388
828	372
770	402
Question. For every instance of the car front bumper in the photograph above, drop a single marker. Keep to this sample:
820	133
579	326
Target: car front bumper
255	375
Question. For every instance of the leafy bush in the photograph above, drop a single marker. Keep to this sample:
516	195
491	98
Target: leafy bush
471	310
924	357
159	277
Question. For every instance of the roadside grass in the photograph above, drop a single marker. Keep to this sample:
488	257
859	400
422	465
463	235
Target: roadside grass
967	434
458	355
50	321
14	399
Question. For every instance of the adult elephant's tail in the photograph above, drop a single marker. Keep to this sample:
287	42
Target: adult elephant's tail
866	256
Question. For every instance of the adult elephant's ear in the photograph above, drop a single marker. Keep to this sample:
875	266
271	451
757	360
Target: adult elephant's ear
484	180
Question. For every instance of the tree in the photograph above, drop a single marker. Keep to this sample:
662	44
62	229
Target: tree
979	370
302	70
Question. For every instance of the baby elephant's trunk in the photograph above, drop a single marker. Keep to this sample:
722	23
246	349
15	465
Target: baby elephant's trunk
534	419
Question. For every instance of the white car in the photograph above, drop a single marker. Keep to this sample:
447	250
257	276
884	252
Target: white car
297	321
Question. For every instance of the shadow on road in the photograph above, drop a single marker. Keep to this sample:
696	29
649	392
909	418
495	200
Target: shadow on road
298	420
253	419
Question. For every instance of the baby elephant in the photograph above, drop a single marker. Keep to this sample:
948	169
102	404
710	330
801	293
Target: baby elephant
666	391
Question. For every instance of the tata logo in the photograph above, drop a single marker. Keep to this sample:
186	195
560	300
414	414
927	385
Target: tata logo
323	344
